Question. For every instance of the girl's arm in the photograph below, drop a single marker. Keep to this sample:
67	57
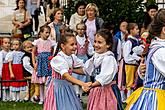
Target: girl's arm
85	86
95	84
10	70
33	57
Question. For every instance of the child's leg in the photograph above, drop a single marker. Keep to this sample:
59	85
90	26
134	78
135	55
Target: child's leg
17	95
41	93
7	94
32	90
123	97
4	95
13	95
37	89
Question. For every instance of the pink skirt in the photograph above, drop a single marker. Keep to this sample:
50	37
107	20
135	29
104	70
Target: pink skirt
39	80
102	98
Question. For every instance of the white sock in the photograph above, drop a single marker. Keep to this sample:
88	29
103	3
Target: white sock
41	93
7	94
129	93
4	95
13	95
18	95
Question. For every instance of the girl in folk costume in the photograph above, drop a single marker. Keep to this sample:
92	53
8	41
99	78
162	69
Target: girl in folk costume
4	68
43	47
152	95
84	48
60	94
131	52
16	70
104	93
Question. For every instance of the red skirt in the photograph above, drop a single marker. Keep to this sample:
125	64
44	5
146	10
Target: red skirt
18	74
5	75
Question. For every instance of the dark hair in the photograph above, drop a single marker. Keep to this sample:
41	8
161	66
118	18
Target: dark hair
108	25
80	3
17	1
43	27
51	4
158	23
131	26
151	7
106	34
63	40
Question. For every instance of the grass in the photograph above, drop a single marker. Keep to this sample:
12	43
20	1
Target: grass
19	106
27	105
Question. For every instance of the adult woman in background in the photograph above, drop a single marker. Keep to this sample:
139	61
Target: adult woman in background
78	16
92	21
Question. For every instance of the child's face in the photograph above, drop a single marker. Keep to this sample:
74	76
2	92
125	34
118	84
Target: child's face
28	48
6	43
135	31
45	34
70	46
16	45
80	30
123	27
100	44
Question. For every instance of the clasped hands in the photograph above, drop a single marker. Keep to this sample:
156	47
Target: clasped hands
87	86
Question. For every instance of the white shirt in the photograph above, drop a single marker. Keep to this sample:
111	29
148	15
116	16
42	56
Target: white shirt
81	41
108	67
62	62
26	64
128	58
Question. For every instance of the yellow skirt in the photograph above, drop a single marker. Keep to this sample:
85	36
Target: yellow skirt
136	94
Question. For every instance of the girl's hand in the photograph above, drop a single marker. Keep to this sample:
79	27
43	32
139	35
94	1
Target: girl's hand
12	76
86	86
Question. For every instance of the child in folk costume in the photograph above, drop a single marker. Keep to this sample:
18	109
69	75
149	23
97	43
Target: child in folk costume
60	94
4	68
16	70
28	70
132	51
84	48
152	95
104	93
43	48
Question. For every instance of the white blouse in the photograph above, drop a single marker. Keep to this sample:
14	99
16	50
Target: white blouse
81	41
108	67
27	65
158	57
61	63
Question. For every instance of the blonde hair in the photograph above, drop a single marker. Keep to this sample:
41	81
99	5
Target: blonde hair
25	43
92	6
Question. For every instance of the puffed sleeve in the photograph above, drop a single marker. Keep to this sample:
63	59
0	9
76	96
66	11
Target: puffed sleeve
1	63
35	42
59	65
9	57
158	59
108	70
77	62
